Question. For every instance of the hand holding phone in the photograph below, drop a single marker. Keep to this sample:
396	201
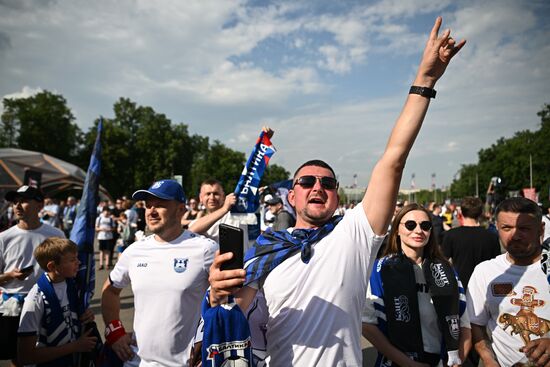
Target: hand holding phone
232	240
27	269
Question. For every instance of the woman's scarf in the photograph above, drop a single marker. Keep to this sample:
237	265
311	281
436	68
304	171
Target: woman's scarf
397	287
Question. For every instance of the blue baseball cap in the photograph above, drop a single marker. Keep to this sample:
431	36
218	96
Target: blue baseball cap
163	189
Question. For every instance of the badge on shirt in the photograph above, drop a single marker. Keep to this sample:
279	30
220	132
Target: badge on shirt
180	264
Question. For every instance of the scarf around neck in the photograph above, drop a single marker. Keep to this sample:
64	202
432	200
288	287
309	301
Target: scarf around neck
273	247
53	318
401	303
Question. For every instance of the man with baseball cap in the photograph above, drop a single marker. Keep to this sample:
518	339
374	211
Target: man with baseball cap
18	269
169	275
283	219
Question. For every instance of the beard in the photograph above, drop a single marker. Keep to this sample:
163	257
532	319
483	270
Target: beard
530	251
160	226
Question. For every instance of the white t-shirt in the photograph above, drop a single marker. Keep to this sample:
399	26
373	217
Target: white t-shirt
431	335
169	281
16	251
106	223
496	292
315	308
241	220
33	309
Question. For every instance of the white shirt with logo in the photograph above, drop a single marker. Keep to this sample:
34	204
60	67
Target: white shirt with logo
169	281
509	299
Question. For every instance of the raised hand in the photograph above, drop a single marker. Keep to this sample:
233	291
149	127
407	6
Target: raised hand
437	55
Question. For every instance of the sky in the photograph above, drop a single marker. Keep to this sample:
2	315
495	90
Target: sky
330	77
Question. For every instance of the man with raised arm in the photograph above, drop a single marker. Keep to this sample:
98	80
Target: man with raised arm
314	278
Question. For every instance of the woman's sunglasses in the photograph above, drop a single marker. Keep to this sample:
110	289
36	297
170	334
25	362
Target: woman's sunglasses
307	182
411	225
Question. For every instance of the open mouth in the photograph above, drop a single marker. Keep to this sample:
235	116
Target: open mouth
316	200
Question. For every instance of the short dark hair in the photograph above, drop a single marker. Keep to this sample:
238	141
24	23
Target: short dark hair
520	205
211	182
315	163
471	207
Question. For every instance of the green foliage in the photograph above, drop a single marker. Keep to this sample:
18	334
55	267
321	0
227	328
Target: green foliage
509	160
139	145
42	123
216	161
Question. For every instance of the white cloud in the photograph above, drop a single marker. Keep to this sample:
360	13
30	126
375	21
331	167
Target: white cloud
225	68
24	93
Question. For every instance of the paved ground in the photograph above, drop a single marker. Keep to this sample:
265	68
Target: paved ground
127	315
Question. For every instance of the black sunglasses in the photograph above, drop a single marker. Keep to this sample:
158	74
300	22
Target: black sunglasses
411	225
307	182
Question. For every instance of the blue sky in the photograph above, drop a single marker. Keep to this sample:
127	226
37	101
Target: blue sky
330	77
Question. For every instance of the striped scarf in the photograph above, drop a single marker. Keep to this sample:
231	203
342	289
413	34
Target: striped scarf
272	248
58	331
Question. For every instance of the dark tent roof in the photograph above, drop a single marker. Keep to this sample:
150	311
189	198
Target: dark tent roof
57	175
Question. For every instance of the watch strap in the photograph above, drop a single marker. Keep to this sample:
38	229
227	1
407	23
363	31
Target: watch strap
423	91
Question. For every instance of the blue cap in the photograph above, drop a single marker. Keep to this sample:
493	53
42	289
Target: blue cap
163	189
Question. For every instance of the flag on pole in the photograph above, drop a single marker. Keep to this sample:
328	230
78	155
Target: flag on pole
83	231
247	187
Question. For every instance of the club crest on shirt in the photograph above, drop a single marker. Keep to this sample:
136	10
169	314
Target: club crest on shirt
180	264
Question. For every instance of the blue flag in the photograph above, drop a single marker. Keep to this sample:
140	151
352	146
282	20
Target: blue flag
83	231
247	187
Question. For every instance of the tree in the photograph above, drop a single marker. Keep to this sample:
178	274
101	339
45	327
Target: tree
42	123
219	162
509	160
141	146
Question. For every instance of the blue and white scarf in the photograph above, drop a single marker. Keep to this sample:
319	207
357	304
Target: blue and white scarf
226	338
272	248
58	330
247	187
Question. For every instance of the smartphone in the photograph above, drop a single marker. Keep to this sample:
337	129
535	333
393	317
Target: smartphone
28	269
232	240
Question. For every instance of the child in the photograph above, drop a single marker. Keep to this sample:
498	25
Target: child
49	328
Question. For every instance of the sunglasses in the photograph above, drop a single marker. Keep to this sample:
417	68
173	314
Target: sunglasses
411	225
307	182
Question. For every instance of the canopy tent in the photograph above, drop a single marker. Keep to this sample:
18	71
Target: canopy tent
57	176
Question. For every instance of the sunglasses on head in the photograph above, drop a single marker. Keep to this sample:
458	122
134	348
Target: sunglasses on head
425	225
307	182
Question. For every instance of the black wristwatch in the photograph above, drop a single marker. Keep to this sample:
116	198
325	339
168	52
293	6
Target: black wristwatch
423	91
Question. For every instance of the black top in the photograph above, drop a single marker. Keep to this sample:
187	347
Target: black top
469	246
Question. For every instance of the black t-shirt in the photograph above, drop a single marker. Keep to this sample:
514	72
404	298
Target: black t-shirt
469	246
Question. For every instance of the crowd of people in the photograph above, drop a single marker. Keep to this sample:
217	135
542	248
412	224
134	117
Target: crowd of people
426	287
